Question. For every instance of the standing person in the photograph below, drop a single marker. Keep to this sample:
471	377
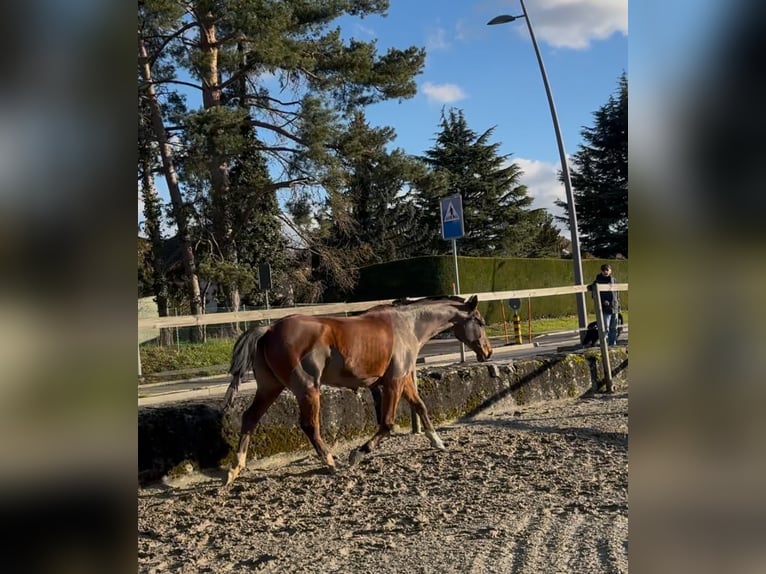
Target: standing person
610	303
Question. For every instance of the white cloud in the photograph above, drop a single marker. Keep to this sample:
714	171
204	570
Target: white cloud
576	23
437	40
443	93
364	30
463	31
543	186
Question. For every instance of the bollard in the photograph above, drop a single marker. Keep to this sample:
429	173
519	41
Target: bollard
517	328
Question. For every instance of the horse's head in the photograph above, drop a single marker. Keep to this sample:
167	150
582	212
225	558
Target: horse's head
469	330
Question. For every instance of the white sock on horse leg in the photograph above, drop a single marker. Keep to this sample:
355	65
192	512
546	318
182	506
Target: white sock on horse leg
436	442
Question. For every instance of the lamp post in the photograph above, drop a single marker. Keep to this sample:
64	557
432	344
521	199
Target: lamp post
575	236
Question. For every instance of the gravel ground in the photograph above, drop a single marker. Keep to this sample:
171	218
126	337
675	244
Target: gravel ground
535	489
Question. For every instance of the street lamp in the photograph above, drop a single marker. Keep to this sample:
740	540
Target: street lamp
575	236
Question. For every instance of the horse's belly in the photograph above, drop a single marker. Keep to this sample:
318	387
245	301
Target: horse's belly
350	382
339	376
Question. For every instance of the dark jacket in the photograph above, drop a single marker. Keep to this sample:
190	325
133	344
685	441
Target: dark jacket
610	302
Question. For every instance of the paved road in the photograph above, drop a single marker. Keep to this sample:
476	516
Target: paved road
437	352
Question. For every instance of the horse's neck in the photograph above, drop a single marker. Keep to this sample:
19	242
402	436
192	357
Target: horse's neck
430	321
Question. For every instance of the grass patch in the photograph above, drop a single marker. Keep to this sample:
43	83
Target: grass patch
541	326
198	358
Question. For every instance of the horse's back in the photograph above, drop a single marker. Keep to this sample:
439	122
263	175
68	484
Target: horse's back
353	348
366	341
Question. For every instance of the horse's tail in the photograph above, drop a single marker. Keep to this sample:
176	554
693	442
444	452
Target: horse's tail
242	360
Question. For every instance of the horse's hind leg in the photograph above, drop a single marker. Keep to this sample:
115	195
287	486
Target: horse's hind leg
308	402
410	393
268	390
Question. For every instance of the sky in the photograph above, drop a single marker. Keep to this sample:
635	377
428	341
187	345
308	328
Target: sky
491	73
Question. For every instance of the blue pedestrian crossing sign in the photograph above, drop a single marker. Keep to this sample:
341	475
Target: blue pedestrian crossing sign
452	217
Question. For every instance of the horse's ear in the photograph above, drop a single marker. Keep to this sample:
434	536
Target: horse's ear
473	302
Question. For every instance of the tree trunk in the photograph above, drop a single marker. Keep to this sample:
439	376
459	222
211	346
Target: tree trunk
218	165
171	177
153	228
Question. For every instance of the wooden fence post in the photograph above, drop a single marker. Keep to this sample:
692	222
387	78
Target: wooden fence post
602	336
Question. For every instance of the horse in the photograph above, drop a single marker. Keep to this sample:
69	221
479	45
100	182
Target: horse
241	353
378	348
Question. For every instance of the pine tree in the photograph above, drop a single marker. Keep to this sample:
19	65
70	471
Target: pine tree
496	211
546	240
376	216
280	70
600	179
154	146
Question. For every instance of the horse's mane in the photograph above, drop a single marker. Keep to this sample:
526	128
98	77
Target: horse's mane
410	303
433	299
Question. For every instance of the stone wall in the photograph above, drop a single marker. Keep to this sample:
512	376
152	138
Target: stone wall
196	432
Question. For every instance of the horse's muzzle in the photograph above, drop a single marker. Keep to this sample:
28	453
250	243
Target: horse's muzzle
483	353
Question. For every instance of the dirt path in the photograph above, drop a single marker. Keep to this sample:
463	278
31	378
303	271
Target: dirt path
530	489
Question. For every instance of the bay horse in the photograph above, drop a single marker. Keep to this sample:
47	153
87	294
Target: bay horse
377	348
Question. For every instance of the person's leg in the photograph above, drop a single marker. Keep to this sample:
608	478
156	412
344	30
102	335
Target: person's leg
611	328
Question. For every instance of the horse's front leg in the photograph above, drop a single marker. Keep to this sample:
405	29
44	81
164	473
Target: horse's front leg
377	398
410	393
390	391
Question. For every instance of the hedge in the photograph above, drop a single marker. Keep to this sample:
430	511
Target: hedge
434	275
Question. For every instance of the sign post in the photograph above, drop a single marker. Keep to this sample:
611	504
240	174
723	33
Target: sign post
451	209
264	283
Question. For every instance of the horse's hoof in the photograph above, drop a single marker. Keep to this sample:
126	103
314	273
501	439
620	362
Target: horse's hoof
355	456
332	470
230	477
435	441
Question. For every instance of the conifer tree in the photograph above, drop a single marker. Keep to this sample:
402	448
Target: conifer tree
280	72
599	177
154	147
377	217
496	208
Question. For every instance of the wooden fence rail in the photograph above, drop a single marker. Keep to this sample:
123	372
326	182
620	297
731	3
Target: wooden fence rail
335	308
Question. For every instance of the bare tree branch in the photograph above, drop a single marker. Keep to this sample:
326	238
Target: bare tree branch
178	82
289	183
277	129
168	38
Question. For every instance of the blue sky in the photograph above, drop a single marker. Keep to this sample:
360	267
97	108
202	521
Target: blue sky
492	74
